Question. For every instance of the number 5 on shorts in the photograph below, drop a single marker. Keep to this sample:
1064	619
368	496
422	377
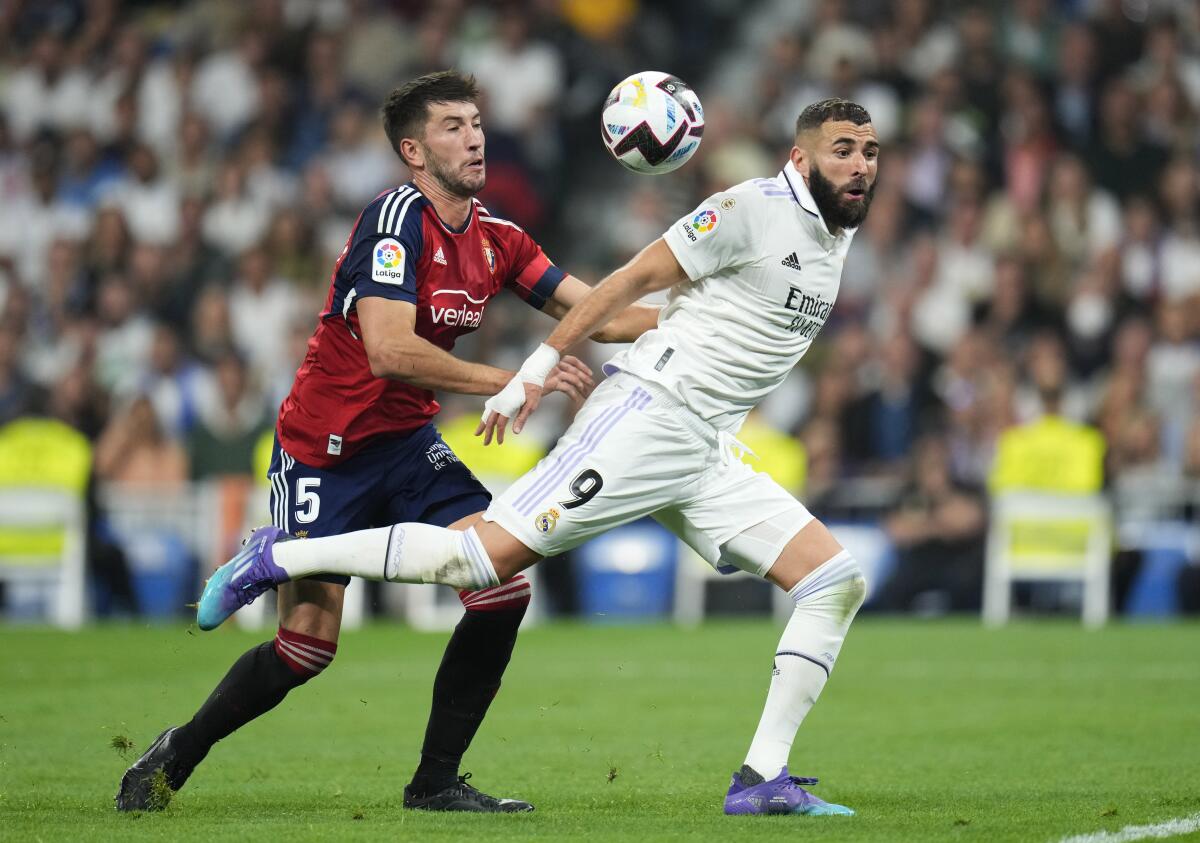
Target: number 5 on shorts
308	503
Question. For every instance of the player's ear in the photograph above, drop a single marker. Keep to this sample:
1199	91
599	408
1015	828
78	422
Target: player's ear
801	159
411	153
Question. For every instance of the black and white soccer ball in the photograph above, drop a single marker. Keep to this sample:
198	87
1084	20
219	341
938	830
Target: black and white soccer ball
652	122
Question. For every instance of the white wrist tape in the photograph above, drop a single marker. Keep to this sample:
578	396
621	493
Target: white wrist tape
536	368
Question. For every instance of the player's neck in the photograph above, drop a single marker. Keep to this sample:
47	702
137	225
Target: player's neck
452	209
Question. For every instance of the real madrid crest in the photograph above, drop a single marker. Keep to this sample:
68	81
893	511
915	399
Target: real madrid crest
490	255
547	521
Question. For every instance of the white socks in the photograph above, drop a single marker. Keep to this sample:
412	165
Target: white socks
414	553
826	602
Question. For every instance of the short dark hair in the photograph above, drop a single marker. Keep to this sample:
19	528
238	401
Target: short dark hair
407	108
834	108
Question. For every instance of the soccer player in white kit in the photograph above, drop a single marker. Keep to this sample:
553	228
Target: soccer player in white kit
752	276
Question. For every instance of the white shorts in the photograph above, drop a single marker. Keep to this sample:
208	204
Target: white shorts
633	450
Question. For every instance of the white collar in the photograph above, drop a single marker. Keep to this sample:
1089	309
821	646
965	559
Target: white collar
804	196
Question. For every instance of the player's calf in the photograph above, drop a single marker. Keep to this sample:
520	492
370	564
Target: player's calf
827	600
257	682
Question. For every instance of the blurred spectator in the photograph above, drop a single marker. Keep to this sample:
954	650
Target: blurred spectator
1140	250
1029	34
236	219
261	309
224	87
1180	196
123	344
232	416
148	200
884	422
520	76
191	161
88	171
211	325
1049	454
1119	158
1086	222
1075	82
1049	380
295	255
1172	367
938	529
47	91
174	384
19	396
132	451
358	159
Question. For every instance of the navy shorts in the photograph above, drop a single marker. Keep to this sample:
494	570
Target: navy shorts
412	477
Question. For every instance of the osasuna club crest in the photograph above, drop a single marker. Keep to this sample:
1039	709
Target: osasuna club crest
490	254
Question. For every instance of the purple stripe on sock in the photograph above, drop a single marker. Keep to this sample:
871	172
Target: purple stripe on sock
567	458
636	401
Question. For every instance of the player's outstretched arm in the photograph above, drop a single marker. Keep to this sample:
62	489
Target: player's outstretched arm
395	351
652	269
626	326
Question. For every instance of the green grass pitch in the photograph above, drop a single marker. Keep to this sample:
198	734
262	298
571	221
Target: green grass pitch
932	731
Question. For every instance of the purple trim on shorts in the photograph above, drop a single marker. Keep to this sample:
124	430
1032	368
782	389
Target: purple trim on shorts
596	431
593	427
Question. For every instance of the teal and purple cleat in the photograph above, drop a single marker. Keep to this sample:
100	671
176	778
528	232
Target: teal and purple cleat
749	793
241	580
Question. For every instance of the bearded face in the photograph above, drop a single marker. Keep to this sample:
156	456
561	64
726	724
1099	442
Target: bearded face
841	206
463	180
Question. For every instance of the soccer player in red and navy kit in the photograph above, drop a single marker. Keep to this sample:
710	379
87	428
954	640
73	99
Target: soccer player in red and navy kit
355	444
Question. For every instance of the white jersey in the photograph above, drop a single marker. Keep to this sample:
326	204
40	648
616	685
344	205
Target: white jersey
764	272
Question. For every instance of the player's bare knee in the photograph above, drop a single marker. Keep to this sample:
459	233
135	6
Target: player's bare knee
508	555
312	608
804	553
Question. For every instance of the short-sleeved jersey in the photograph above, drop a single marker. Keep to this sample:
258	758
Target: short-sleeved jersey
400	249
764	271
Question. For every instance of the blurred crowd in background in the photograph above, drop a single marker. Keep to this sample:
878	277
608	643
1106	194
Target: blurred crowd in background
178	180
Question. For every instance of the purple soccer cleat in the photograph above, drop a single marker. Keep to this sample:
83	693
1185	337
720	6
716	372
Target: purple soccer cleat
749	793
241	580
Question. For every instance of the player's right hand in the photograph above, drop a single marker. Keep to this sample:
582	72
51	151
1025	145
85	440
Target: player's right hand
520	398
572	377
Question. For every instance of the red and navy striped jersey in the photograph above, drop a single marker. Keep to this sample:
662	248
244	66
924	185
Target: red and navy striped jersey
400	249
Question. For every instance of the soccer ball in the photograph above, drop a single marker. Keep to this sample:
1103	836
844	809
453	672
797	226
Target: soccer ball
652	122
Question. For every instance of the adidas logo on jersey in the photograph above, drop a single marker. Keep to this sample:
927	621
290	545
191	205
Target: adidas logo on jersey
792	262
440	257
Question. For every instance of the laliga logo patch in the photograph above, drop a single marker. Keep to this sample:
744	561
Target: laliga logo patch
705	221
547	521
389	262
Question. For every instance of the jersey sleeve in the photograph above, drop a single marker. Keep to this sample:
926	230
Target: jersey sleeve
718	235
532	275
383	255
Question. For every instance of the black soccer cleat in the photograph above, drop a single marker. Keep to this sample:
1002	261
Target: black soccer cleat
152	780
461	796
